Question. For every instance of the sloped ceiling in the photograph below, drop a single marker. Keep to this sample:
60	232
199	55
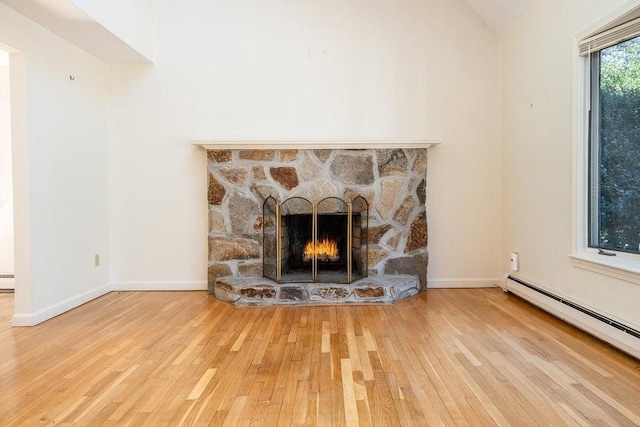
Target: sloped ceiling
64	18
500	14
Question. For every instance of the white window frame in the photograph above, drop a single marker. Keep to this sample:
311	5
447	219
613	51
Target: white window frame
624	266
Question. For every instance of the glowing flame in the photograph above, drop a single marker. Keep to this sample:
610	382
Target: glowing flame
325	250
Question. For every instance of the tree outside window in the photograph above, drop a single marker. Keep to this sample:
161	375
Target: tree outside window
615	152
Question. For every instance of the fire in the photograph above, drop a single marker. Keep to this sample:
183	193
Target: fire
325	250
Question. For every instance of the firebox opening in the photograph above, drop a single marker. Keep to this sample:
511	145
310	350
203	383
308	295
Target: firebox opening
298	247
332	231
324	242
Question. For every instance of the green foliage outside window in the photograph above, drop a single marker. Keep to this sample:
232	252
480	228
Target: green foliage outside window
619	144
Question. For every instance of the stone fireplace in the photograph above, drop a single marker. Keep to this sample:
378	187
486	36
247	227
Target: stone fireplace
389	250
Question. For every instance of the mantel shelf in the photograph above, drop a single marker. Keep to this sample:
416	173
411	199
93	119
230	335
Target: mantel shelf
294	144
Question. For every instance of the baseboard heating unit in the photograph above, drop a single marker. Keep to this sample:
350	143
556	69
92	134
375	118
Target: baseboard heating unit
622	336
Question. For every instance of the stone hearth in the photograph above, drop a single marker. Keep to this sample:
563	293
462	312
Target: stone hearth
393	181
260	291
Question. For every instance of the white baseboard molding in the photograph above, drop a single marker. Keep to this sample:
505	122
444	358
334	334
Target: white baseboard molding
617	338
7	283
160	286
31	319
462	283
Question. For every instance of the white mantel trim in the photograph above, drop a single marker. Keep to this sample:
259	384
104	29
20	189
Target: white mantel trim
284	145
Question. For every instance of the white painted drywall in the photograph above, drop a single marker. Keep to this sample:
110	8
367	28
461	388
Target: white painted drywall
6	187
308	70
59	130
539	92
133	21
500	13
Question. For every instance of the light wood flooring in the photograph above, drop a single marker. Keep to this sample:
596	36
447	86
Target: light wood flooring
445	357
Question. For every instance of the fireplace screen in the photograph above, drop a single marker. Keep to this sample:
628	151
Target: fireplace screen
324	242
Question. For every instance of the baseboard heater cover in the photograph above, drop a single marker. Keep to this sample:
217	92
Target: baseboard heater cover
604	319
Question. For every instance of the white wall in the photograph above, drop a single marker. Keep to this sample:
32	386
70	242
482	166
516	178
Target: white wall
540	86
308	70
60	170
6	190
133	21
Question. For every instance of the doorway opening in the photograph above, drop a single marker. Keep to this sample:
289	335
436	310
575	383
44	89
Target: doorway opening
7	259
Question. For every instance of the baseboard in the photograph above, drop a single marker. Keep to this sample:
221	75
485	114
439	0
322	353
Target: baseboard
616	337
7	283
461	283
31	319
160	286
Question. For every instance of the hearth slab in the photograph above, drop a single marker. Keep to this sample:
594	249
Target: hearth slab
262	291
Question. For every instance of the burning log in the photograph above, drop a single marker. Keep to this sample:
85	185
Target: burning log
325	250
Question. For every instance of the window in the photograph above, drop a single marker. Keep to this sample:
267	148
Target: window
607	154
615	148
614	139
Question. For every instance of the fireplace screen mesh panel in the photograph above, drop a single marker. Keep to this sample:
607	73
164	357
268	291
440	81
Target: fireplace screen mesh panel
359	239
296	229
324	242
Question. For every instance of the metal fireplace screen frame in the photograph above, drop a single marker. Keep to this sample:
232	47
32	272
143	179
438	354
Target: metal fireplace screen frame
275	242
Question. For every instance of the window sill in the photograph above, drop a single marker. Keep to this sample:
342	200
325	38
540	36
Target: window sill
622	269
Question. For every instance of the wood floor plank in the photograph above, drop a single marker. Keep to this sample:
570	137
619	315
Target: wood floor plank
202	383
348	392
444	357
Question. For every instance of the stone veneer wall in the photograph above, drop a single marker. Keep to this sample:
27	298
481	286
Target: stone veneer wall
393	181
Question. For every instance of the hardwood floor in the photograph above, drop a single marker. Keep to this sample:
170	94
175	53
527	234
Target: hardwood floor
444	357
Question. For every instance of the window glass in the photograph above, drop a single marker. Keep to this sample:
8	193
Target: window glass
615	148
